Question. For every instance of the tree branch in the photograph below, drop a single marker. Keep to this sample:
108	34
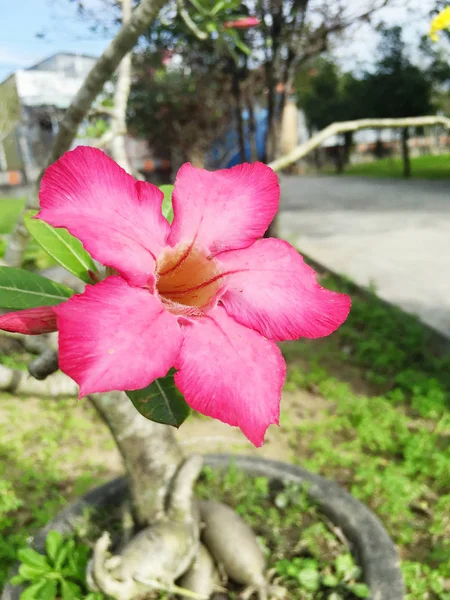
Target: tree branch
44	365
101	72
201	35
20	383
119	120
342	127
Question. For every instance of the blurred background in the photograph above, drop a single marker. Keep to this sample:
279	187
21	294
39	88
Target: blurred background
238	94
218	83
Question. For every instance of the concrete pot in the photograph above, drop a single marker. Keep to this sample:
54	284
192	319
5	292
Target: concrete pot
372	547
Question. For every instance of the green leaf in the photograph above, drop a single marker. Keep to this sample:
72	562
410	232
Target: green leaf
63	553
167	208
16	580
161	402
53	543
66	249
335	596
29	556
21	289
33	592
70	590
344	564
211	27
330	580
49	590
360	590
201	9
218	7
309	579
30	573
238	42
77	562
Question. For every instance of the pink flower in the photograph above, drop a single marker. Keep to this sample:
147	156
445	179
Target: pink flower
204	295
243	23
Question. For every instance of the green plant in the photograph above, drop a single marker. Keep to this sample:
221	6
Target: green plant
61	572
339	578
308	559
381	430
423	582
389	436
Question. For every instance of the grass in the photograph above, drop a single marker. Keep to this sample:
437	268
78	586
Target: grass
41	465
422	167
385	430
382	431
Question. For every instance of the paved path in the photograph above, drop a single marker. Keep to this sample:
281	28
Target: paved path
393	233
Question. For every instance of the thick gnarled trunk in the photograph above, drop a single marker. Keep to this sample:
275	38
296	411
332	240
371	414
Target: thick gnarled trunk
150	453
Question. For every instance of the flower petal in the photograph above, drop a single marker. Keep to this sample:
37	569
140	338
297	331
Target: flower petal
223	210
116	337
31	321
118	219
273	291
231	373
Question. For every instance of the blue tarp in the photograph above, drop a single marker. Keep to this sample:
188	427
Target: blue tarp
225	151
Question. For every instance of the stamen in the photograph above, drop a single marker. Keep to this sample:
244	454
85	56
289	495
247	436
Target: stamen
188	280
178	264
197	287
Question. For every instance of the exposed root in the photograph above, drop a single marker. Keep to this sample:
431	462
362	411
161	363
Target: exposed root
202	577
181	495
159	554
169	550
252	589
119	589
233	545
171	589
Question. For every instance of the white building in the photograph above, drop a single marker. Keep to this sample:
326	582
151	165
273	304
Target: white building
32	102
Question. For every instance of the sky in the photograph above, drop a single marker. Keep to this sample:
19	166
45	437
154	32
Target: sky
21	20
357	50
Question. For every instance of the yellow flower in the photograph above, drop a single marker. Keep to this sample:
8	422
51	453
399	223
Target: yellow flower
440	22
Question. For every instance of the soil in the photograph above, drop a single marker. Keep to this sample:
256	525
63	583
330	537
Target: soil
213	436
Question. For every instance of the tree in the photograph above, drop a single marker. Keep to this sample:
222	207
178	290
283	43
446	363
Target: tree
187	89
326	96
435	62
161	311
397	88
344	126
122	91
292	33
179	108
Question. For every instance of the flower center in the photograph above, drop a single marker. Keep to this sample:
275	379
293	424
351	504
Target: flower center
186	278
